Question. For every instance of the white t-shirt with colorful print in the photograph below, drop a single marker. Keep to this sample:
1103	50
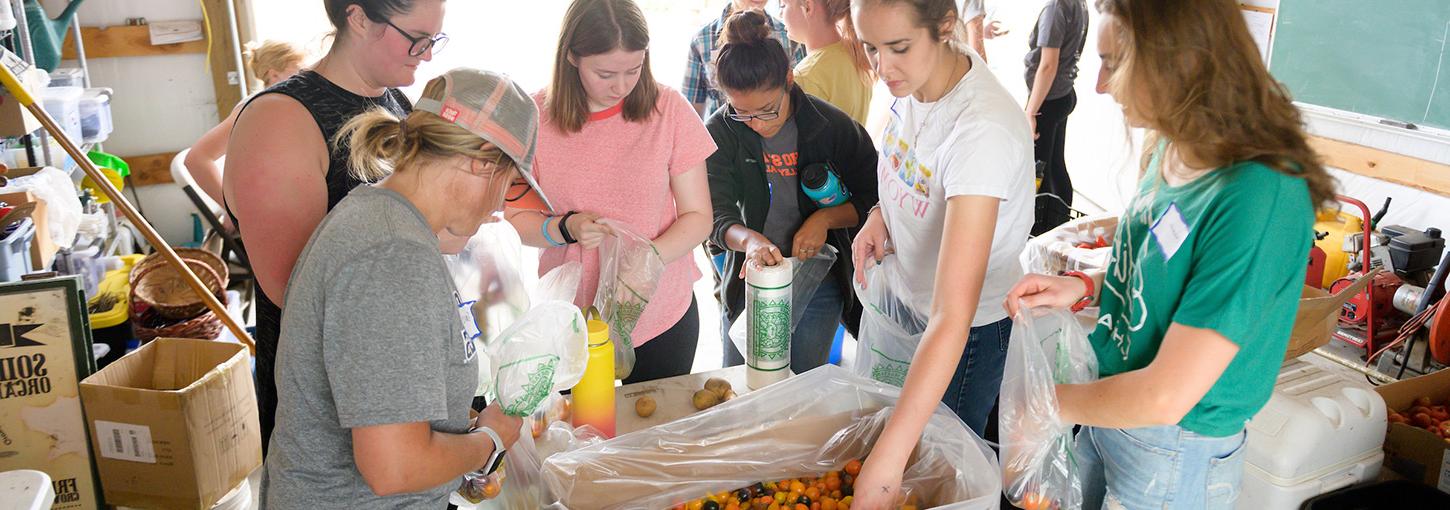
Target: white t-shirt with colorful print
973	141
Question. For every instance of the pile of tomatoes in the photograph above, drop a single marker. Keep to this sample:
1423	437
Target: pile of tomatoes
1426	415
831	491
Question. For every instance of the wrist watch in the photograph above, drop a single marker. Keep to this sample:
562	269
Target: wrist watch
496	458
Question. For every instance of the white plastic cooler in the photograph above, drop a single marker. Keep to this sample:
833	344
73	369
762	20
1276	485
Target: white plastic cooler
1323	429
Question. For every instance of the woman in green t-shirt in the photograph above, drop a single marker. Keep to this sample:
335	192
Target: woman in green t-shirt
1207	264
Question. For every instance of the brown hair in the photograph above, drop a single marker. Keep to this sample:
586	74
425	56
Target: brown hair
377	11
381	143
269	55
750	58
931	15
1201	84
596	27
839	12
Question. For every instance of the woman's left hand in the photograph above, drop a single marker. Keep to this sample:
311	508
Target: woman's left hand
878	486
809	239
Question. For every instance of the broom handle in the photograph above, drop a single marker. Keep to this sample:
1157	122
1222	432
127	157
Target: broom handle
12	84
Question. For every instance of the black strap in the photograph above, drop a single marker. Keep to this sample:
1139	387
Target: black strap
564	228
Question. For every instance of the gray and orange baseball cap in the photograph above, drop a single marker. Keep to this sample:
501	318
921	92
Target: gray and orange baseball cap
492	106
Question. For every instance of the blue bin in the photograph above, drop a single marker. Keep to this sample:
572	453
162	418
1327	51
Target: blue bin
15	251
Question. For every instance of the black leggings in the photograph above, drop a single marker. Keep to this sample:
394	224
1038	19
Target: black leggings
1052	138
671	353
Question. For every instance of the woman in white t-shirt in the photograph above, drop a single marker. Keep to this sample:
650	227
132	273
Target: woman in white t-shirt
955	180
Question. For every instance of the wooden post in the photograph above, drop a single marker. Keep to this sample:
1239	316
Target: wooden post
223	57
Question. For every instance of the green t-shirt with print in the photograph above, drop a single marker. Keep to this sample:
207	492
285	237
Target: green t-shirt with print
1225	252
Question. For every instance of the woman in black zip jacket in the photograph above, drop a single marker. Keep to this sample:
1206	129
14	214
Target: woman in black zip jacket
769	132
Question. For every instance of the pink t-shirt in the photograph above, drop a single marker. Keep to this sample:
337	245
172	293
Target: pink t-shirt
621	170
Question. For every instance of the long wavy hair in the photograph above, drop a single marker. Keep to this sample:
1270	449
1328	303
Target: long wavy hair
1196	78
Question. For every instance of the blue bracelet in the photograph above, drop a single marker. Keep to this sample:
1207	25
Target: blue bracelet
544	229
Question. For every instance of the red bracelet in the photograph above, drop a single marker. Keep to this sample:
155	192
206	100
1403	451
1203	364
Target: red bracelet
1087	298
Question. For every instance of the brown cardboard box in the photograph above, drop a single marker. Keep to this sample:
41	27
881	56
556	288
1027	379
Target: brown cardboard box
15	120
174	424
1410	451
42	248
1318	316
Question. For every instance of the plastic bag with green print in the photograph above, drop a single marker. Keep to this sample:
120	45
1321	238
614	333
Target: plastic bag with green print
629	271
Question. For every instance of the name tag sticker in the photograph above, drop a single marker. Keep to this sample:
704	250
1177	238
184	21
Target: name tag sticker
1170	231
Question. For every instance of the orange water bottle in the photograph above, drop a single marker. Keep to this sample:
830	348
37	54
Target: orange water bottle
594	395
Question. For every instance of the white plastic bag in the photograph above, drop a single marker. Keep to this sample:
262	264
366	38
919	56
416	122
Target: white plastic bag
629	270
1039	469
1083	244
544	352
62	205
890	329
559	284
806	277
806	425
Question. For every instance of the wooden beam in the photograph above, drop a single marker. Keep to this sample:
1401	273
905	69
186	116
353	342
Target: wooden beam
223	57
246	32
150	169
1397	168
124	41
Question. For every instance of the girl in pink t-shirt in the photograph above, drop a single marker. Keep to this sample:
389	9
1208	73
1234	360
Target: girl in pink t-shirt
615	145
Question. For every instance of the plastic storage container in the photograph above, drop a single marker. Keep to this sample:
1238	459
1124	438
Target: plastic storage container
1323	429
64	105
15	251
95	110
67	77
1387	494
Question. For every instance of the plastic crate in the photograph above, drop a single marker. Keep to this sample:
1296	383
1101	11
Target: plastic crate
15	251
1394	494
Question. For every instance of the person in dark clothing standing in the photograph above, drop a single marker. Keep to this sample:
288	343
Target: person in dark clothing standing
1054	48
284	171
768	134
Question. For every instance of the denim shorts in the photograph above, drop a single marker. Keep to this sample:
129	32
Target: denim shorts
1164	467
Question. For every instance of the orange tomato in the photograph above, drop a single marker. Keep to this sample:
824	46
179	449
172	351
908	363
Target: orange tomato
853	467
1035	501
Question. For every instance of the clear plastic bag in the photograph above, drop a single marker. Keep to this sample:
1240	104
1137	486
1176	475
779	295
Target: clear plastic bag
806	277
544	352
62	205
629	270
1083	244
807	425
1039	470
890	329
559	284
486	273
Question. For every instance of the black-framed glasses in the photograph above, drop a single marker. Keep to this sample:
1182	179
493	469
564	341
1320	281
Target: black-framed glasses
772	114
421	45
518	189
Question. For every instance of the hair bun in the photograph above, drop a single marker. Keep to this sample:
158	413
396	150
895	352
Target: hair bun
746	27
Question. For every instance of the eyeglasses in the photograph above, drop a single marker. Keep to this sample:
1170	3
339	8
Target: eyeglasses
421	45
517	190
772	114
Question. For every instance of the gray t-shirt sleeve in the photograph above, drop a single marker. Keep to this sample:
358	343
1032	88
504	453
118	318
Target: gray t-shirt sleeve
971	9
1055	25
384	350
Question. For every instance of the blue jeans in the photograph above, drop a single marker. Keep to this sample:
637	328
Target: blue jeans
1159	467
978	378
810	341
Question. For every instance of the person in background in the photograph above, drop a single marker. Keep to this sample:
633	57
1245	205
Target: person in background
618	148
956	165
1187	358
285	171
1054	49
699	86
375	397
271	62
771	131
835	68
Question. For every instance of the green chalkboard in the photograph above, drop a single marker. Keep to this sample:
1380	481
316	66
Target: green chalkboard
1382	58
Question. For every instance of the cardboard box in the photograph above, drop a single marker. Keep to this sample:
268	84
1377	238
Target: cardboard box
1318	316
174	424
45	352
42	248
1413	452
15	120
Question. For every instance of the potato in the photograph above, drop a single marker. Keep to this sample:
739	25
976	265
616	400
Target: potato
718	385
705	399
729	394
644	406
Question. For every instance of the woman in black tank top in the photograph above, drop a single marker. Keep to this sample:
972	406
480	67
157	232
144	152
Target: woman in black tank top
284	171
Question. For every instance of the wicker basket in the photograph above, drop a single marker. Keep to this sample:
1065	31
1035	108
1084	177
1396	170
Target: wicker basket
149	325
155	285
